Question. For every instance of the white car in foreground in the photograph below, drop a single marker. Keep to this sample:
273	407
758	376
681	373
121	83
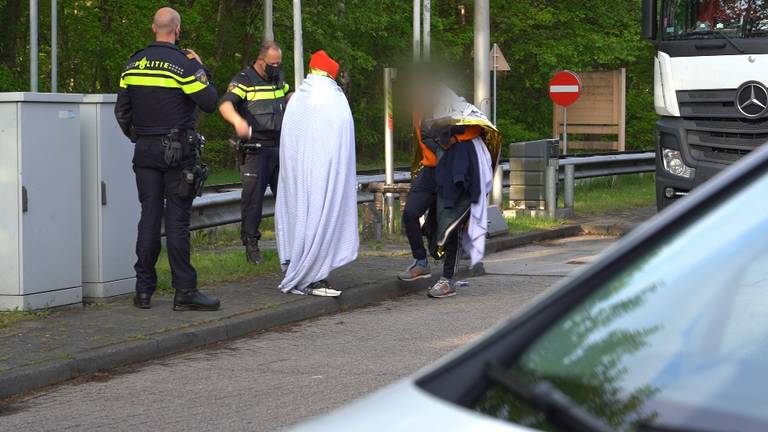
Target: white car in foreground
668	331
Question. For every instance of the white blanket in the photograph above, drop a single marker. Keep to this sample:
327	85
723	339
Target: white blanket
474	236
316	207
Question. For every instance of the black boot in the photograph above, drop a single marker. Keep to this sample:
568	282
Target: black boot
252	252
142	300
194	300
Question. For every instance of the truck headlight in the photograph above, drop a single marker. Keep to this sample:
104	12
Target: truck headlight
673	164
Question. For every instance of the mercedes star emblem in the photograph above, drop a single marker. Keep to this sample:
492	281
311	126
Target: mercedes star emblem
752	99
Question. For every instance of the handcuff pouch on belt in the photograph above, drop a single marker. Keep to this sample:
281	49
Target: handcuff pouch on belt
244	147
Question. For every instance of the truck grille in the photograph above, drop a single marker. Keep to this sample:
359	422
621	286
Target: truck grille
726	140
707	103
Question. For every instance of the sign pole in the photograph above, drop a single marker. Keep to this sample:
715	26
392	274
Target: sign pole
495	70
565	130
389	170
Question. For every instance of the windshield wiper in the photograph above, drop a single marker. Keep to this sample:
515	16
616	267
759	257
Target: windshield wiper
559	409
721	34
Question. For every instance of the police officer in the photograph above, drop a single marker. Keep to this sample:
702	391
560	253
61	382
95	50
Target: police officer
160	90
254	104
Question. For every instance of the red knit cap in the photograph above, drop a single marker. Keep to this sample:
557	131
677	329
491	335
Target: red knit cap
321	61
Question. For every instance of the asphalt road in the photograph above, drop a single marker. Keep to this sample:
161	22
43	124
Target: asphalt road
275	379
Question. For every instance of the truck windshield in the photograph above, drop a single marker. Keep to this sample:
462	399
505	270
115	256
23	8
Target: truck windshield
702	19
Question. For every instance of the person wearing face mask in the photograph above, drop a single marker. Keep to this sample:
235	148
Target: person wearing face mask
254	105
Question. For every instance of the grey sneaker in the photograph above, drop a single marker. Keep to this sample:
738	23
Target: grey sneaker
415	272
443	288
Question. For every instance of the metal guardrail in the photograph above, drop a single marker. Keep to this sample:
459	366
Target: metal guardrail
222	208
609	165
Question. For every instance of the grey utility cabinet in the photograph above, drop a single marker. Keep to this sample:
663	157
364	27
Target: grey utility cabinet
40	210
110	203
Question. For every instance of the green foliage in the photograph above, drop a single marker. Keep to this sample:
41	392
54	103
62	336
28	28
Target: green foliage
538	37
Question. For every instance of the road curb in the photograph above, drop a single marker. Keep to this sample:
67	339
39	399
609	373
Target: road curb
30	378
499	244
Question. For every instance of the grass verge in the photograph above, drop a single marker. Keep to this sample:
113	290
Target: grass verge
610	194
597	196
218	267
218	257
524	224
12	317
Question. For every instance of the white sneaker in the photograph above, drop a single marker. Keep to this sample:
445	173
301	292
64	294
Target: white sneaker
322	289
325	292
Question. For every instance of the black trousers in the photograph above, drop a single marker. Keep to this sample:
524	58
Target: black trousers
422	196
158	186
257	171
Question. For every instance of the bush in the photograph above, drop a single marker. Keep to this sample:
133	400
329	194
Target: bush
220	155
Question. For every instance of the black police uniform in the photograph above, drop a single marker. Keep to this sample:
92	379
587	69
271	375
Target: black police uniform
160	89
262	104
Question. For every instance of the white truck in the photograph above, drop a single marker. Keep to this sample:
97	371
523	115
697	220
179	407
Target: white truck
709	87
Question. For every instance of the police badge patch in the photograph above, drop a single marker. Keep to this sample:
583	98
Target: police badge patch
201	77
231	86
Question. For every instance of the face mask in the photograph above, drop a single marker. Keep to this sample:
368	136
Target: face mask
272	72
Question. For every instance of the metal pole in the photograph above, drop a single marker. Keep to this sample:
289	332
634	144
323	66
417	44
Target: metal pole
269	34
427	37
565	130
33	49
298	46
550	189
482	52
54	47
482	81
416	31
570	180
389	158
495	72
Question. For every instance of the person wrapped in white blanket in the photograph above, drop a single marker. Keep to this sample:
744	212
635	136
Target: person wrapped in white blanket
452	186
316	209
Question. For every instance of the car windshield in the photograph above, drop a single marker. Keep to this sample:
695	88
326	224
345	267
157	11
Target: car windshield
698	19
677	340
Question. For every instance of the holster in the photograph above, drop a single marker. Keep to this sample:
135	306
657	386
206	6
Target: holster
193	181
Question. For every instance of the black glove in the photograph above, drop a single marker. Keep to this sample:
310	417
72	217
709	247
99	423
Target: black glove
173	152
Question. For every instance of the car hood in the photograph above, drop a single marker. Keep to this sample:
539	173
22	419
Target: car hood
405	407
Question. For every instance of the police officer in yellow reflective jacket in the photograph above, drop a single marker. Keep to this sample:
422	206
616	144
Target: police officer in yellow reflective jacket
160	90
254	104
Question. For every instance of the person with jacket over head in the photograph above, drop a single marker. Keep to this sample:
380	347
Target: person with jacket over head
160	90
457	147
254	105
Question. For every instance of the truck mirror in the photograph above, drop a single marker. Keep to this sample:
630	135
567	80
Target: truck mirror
649	23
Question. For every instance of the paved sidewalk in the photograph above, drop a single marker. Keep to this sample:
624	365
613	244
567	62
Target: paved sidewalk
78	341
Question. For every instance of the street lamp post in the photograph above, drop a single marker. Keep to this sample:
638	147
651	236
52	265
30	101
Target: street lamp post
269	34
298	45
33	48
416	31
54	47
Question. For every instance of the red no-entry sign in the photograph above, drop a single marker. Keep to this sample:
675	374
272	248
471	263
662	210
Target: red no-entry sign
564	88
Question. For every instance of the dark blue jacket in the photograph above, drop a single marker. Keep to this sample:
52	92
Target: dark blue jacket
457	173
